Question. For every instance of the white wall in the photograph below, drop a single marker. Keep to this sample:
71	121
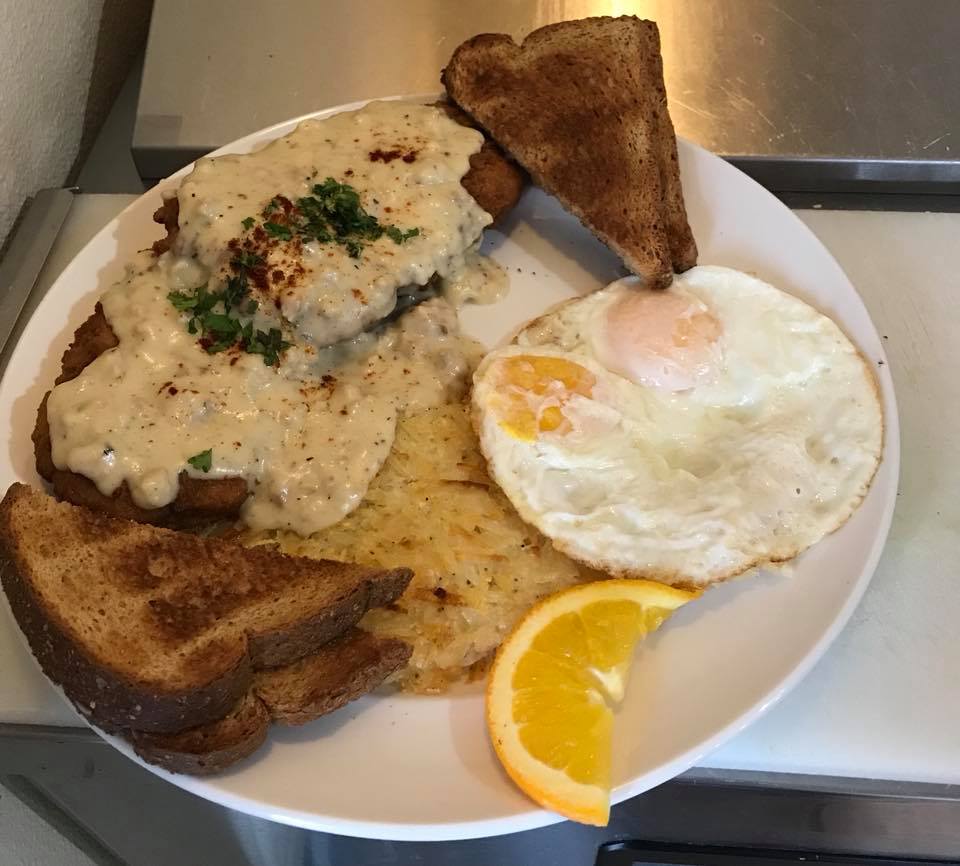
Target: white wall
46	57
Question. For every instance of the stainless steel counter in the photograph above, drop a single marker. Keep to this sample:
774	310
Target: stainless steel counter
807	96
119	813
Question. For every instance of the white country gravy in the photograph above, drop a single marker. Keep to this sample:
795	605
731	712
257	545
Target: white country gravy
477	279
310	433
406	162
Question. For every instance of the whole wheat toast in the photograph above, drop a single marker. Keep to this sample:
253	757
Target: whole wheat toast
154	630
337	673
582	106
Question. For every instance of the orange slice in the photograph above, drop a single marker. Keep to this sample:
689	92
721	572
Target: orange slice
554	684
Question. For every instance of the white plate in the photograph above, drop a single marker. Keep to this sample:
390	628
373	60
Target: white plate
404	767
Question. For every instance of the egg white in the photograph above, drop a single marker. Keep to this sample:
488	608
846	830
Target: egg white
766	454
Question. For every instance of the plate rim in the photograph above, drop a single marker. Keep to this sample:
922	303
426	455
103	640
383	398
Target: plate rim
534	817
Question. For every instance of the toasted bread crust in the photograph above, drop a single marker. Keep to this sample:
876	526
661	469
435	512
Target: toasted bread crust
582	106
215	609
211	748
339	672
683	247
335	674
284	646
106	697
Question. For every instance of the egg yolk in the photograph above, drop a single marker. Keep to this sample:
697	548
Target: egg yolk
532	391
660	339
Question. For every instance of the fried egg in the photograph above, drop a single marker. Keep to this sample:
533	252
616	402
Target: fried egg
686	434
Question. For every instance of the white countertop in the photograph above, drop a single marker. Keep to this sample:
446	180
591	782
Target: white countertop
884	702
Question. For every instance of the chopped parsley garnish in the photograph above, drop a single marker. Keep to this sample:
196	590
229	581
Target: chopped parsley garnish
215	316
184	302
235	291
332	213
244	260
202	461
269	344
353	248
398	236
278	230
220	332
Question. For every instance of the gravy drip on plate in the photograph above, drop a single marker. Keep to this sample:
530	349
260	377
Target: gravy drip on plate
309	433
477	279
